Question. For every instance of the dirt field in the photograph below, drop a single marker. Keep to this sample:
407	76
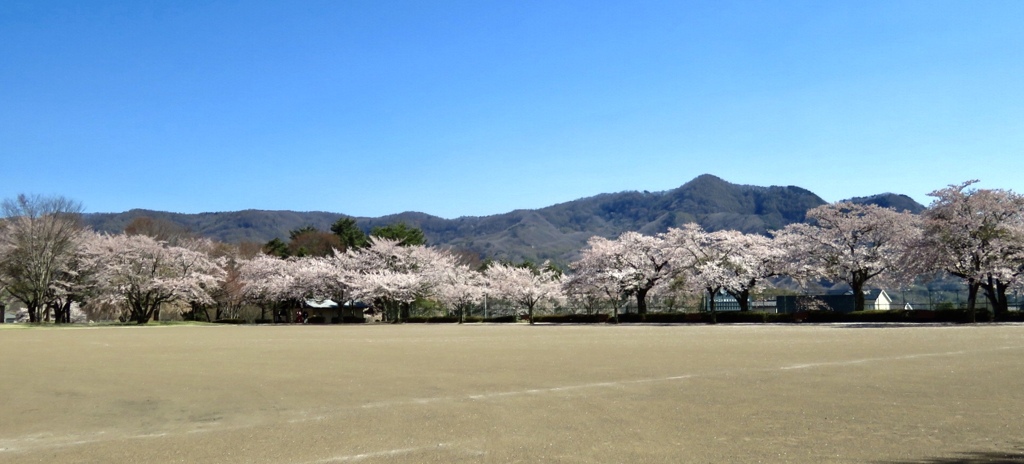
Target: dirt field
513	393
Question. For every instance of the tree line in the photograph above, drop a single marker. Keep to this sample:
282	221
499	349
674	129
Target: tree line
49	260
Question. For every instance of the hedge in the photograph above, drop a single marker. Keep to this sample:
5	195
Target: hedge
229	321
455	319
431	320
873	316
572	318
751	317
896	315
662	318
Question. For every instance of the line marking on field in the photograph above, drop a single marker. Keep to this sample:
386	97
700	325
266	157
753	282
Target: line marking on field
396	452
869	360
615	384
47	441
376	454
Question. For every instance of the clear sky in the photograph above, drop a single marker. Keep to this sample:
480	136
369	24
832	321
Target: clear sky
476	107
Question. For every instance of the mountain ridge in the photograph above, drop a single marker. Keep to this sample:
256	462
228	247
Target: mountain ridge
557	232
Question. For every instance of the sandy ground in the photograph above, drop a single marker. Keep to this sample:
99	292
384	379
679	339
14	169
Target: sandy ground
513	393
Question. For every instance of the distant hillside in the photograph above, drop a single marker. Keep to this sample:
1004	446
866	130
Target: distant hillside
556	232
892	200
231	227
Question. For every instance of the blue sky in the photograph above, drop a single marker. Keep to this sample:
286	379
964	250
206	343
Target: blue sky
458	108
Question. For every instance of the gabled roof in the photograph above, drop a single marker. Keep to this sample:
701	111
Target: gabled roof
876	294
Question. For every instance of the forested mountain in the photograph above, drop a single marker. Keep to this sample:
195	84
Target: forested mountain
556	232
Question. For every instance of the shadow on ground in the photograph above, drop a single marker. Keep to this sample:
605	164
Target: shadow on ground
888	325
973	457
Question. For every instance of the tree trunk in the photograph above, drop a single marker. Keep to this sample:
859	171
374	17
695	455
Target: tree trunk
641	301
33	313
995	293
58	318
141	312
195	309
1003	306
743	298
972	297
858	293
62	312
711	304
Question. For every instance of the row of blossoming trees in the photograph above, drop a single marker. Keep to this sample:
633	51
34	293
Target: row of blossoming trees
47	261
392	276
974	234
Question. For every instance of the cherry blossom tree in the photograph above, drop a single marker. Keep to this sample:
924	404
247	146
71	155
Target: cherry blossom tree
599	276
977	235
198	252
229	296
755	259
267	281
318	278
851	243
461	288
393	291
145	274
701	258
587	290
526	286
74	282
394	274
723	261
633	263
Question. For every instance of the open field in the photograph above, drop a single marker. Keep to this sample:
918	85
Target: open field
512	393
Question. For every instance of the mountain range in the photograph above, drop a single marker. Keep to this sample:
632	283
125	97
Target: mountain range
557	232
